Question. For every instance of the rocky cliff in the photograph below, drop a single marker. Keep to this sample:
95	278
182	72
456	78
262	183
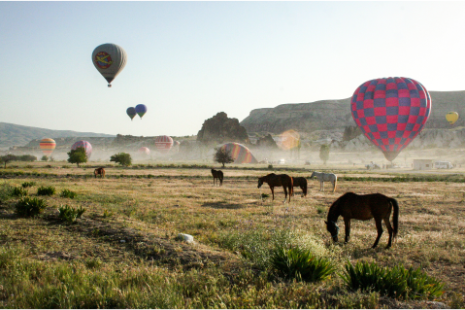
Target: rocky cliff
335	114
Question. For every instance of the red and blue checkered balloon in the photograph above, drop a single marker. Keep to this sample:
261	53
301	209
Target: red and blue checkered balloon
391	112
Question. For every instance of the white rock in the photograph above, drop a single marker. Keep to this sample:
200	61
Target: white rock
187	238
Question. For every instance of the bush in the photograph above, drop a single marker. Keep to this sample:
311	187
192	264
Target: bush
19	192
30	207
28	184
46	191
300	264
6	191
69	214
66	193
396	282
44	158
124	159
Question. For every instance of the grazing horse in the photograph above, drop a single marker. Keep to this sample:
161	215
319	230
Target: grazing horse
217	174
278	180
302	183
325	177
364	207
99	171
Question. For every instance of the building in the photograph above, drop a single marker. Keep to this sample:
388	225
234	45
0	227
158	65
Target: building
423	164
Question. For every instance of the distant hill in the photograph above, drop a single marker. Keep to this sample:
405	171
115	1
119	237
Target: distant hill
19	135
335	114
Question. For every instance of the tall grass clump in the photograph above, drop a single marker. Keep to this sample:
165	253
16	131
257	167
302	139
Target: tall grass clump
258	244
6	191
19	192
69	214
30	207
28	184
66	193
397	282
300	264
46	191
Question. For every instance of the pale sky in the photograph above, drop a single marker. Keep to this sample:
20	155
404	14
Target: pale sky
189	60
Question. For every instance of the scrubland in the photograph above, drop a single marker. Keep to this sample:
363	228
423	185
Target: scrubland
124	252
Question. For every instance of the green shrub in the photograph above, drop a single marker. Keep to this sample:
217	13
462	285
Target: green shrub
6	191
69	214
300	264
19	192
28	184
46	191
66	193
30	207
396	282
124	159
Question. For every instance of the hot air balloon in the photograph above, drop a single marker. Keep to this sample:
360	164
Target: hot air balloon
47	146
86	145
289	140
239	152
391	112
109	59
141	109
452	117
144	150
131	112
163	143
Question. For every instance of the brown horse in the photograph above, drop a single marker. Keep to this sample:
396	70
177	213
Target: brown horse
364	207
278	180
302	183
99	171
217	174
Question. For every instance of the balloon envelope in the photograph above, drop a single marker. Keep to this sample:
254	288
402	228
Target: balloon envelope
141	109
86	145
240	153
109	59
47	146
391	112
163	143
144	150
452	117
131	112
289	140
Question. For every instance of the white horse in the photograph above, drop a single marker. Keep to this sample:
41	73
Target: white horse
325	177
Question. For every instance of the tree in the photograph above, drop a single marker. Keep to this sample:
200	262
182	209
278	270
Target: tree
324	153
124	159
77	156
7	158
220	128
223	157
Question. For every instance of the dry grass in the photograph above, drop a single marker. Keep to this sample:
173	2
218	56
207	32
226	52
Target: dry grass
149	213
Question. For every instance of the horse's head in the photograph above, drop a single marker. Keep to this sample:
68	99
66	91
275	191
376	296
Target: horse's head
313	174
333	229
260	182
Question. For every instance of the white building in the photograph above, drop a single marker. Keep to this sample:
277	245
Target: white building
423	164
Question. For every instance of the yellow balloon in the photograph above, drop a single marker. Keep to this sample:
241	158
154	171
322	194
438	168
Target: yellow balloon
452	117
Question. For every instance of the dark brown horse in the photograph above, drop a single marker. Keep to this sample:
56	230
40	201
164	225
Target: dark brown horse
99	171
302	183
217	174
278	180
364	207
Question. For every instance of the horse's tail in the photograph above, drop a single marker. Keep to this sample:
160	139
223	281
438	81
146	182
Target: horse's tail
395	217
95	172
304	187
291	189
221	178
335	183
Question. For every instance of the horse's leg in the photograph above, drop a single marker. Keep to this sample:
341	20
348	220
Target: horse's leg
285	194
347	226
390	230
272	192
379	227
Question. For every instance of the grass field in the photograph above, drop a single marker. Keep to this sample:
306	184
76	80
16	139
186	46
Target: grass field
124	252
